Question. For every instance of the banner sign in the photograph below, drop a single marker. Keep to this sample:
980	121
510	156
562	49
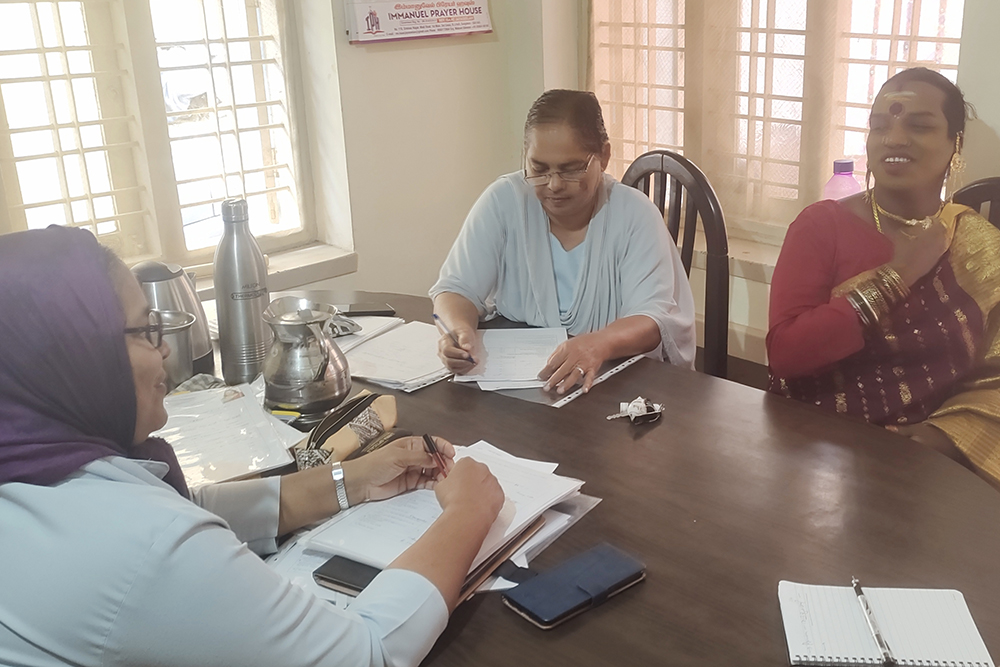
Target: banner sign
386	21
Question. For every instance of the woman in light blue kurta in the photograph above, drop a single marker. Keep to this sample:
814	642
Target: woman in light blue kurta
106	557
564	244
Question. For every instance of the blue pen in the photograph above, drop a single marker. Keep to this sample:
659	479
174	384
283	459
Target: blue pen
444	327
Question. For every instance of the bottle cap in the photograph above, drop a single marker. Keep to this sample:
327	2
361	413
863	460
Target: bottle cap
839	167
235	210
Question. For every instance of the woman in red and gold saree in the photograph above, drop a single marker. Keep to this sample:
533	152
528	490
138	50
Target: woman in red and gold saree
883	305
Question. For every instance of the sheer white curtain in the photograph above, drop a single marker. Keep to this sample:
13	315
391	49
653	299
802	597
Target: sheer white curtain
762	94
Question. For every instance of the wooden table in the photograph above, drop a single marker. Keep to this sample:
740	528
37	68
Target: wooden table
731	491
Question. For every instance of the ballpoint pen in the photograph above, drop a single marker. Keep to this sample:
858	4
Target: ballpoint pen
444	327
883	646
435	454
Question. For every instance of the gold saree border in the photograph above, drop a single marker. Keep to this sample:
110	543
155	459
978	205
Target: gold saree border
971	418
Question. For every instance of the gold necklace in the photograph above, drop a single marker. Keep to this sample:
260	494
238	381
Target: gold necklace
923	223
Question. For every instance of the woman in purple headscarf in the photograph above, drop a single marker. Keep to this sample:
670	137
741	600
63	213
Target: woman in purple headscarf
105	559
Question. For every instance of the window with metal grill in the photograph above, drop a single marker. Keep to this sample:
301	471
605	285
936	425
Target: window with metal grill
88	139
762	94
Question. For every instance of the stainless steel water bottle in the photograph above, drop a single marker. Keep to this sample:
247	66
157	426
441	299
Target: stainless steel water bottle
240	296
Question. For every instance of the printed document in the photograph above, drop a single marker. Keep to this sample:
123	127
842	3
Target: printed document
513	357
404	357
377	533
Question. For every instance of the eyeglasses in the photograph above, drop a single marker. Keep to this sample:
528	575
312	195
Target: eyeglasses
574	176
153	331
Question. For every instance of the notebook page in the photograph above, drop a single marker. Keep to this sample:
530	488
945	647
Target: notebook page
824	625
929	625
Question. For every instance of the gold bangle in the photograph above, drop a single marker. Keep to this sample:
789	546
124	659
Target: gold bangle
861	304
875	298
895	287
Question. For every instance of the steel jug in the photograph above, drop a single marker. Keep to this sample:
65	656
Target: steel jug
168	288
304	370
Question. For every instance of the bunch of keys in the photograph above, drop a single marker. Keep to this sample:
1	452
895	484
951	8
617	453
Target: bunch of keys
639	411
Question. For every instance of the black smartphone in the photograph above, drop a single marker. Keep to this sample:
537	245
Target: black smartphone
356	309
345	575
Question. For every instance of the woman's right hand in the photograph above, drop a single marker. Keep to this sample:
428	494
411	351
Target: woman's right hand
913	258
459	358
470	486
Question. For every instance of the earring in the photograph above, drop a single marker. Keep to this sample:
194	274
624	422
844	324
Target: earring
954	179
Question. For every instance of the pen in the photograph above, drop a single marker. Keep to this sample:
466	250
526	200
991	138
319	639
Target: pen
887	658
444	327
435	454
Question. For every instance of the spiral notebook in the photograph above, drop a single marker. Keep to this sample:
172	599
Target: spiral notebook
826	625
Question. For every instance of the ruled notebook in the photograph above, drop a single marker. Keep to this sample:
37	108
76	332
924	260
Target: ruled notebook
825	625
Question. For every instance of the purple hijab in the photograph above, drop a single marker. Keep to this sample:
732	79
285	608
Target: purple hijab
66	391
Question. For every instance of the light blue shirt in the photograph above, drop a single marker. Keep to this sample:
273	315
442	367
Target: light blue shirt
112	567
502	262
567	265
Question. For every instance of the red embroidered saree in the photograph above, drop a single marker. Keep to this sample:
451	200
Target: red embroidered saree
935	358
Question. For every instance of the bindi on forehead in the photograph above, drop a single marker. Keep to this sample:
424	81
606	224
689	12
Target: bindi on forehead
897	101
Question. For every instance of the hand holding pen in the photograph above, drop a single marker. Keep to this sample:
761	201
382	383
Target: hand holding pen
455	347
432	449
400	466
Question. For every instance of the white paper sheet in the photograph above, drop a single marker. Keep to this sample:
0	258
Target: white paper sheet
514	355
491	450
487	385
371	326
403	358
377	533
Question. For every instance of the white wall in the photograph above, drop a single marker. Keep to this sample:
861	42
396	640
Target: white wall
980	81
427	125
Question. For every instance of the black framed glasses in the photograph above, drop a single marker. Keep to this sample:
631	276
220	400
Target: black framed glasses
153	331
574	176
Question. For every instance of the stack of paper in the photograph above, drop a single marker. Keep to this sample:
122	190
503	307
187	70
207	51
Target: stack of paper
403	358
224	434
371	326
512	358
377	533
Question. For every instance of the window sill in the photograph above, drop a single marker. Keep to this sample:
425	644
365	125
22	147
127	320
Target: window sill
749	260
300	266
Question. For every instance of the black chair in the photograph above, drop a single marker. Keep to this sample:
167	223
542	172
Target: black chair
689	189
974	195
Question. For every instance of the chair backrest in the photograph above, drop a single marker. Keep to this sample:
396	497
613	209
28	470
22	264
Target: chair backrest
974	195
679	184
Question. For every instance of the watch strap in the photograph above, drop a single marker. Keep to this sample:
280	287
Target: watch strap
338	481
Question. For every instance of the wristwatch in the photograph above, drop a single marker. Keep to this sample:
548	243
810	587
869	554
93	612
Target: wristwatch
338	480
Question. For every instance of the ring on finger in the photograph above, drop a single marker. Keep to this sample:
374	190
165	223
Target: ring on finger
580	370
